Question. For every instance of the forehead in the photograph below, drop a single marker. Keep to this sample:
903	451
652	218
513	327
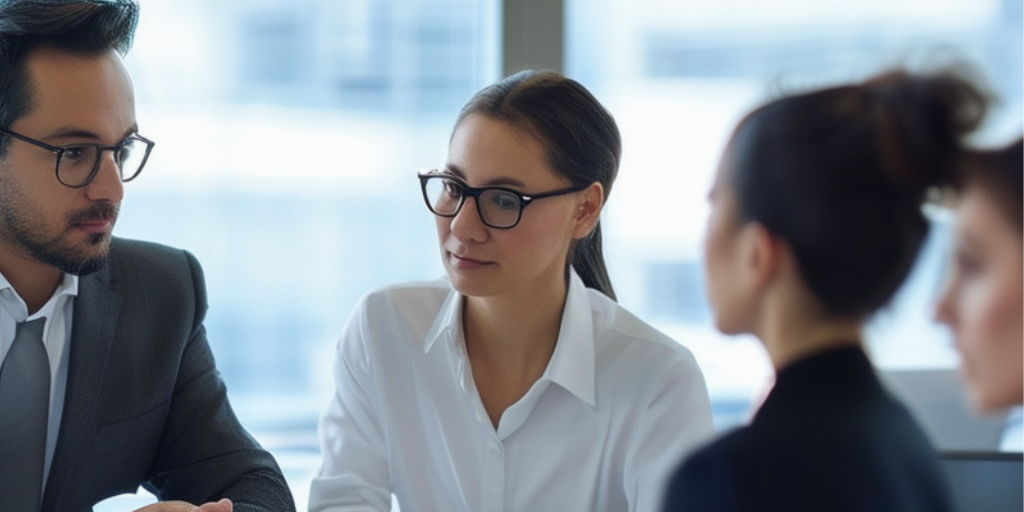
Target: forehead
80	93
978	210
488	151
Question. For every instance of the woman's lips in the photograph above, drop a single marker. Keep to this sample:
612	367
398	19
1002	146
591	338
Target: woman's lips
465	263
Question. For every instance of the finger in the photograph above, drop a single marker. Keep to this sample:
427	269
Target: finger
224	505
171	506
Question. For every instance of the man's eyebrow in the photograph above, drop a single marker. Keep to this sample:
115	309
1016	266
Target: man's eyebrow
72	132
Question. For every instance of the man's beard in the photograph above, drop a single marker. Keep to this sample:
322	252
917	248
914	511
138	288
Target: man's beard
57	251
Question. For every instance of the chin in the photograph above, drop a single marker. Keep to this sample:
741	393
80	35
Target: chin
86	267
981	402
470	287
85	264
725	326
990	397
79	263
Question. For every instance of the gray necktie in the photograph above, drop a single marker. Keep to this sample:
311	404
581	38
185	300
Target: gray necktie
24	406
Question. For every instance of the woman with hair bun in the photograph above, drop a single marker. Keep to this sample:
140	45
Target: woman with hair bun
815	222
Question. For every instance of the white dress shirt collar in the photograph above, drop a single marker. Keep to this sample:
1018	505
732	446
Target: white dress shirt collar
572	363
14	305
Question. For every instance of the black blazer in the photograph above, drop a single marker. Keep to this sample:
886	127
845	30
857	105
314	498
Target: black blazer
829	437
145	404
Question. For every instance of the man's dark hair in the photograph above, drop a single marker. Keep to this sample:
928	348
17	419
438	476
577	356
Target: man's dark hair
83	27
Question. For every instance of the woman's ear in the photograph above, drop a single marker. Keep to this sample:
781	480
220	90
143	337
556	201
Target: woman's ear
588	210
762	252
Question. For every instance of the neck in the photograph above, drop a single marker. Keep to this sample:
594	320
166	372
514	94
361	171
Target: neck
792	330
514	330
509	341
784	349
33	281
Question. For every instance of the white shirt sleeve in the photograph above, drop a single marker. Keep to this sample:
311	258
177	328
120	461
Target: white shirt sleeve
354	475
676	422
1013	432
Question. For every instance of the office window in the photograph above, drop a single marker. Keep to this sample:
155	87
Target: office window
675	291
288	135
678	76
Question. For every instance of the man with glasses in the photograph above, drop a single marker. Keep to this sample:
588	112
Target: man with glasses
106	378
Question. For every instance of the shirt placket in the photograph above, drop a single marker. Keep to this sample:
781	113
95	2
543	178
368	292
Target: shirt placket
492	471
493	482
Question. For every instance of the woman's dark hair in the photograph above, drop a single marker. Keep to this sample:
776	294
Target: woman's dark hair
84	27
841	175
579	135
1000	172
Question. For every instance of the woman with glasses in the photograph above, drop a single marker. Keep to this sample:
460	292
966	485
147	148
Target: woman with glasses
518	383
815	221
983	302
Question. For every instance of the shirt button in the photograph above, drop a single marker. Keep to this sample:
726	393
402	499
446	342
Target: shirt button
496	453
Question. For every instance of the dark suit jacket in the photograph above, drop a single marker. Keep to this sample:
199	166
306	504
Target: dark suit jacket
828	438
144	403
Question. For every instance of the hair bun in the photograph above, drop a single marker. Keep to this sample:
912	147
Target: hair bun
924	121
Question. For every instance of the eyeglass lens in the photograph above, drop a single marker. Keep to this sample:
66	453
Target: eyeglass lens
78	163
498	208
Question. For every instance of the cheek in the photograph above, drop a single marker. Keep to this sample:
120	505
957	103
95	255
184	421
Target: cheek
1003	322
999	325
711	274
535	241
991	311
443	226
719	247
533	248
21	197
543	225
718	285
990	337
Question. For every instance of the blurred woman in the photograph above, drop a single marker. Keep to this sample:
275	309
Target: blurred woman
983	303
815	222
518	383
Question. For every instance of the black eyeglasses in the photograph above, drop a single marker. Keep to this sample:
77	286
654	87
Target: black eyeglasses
498	207
78	164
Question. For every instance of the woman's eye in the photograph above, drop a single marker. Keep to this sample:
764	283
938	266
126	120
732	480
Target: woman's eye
967	264
506	201
452	188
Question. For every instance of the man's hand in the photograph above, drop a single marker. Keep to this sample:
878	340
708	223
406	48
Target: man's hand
223	505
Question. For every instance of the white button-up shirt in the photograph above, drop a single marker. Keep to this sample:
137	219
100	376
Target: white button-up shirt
616	409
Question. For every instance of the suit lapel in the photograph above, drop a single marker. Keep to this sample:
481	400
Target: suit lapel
92	335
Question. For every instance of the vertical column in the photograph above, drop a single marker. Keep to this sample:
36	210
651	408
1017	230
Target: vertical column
533	35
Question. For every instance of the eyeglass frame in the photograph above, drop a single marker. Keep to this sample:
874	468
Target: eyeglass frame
475	192
60	150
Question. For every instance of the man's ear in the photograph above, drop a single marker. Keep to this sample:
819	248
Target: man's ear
588	210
